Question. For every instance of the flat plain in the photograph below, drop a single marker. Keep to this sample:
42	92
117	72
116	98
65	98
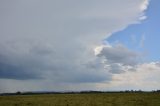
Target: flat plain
94	99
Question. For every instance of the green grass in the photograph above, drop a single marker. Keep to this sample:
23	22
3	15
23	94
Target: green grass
99	99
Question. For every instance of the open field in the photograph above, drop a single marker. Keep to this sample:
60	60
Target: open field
96	99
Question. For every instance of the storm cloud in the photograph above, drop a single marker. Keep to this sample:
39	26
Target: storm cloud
54	40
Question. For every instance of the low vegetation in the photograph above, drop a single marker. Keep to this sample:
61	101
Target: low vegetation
83	99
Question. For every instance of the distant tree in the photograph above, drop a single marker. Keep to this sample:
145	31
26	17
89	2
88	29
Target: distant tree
158	91
140	90
126	91
132	91
18	92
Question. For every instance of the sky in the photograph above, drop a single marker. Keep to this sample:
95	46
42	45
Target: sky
59	45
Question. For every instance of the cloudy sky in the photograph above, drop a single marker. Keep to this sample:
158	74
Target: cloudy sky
57	45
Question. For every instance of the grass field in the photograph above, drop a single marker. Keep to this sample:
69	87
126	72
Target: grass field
99	99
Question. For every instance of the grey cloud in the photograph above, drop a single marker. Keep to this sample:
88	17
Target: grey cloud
17	72
85	76
41	63
118	59
119	54
22	70
116	68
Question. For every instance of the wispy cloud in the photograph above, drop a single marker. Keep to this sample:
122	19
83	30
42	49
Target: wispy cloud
142	41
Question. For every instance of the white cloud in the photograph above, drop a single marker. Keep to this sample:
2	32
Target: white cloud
145	76
144	5
142	17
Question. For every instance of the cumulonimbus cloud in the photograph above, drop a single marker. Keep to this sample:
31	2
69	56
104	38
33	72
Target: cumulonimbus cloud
54	40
